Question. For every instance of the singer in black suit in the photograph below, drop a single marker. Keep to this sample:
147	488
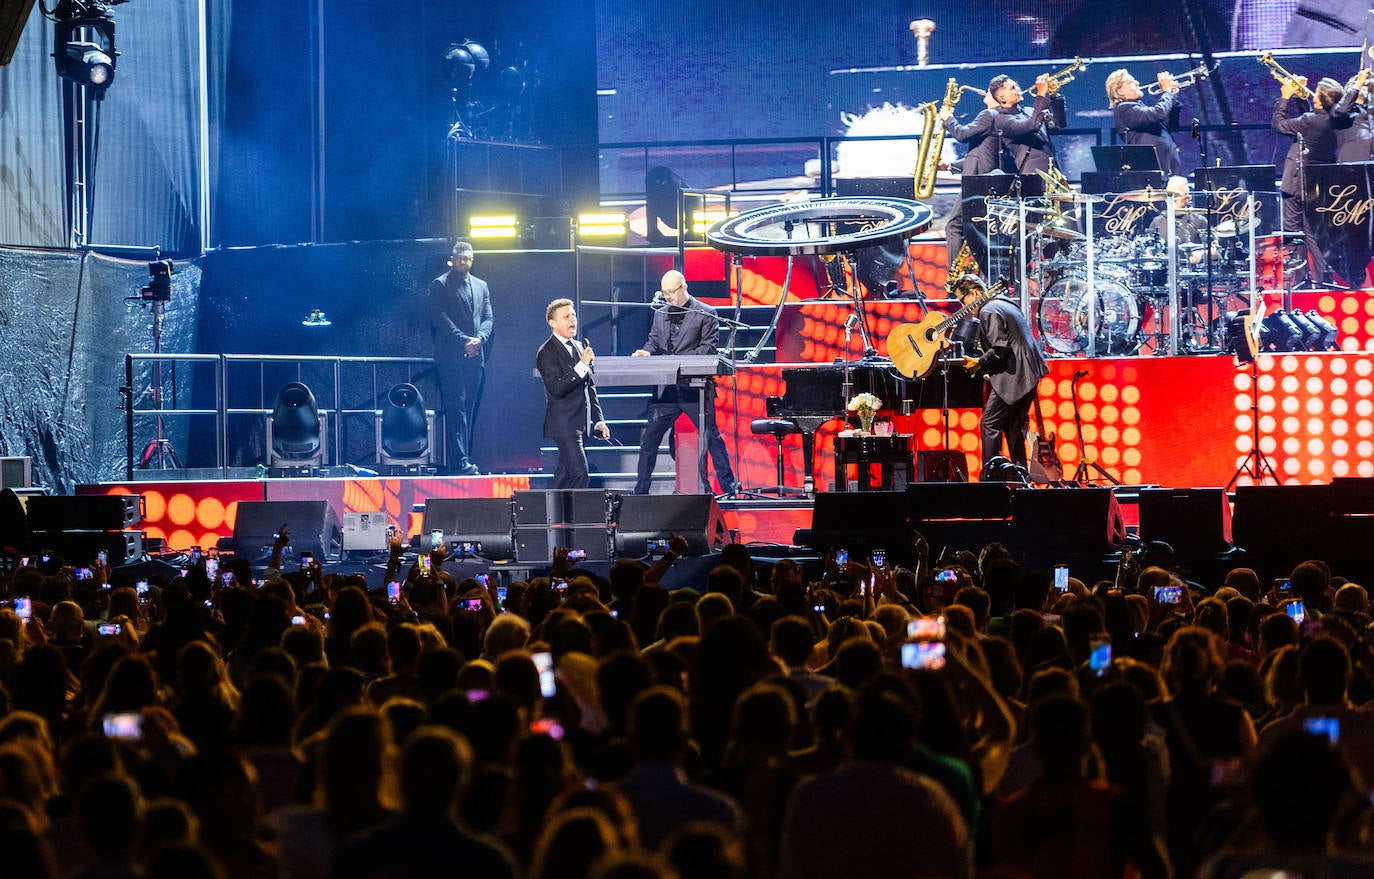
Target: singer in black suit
683	325
460	327
1013	366
1146	124
571	409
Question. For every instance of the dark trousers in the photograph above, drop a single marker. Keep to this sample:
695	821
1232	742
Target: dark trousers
662	414
460	385
1295	220
572	462
1003	419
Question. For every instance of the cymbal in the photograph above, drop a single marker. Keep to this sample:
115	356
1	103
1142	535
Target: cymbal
1079	197
1149	193
1059	226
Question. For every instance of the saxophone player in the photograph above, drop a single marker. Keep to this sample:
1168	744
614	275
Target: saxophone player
1140	123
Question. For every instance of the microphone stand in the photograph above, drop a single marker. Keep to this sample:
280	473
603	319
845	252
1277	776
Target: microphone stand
1080	475
1209	191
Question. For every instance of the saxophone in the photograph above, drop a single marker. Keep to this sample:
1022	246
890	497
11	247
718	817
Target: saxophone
933	141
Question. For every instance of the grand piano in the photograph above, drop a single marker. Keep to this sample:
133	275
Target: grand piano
816	394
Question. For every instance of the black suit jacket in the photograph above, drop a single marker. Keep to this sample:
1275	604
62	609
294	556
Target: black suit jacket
697	336
456	316
1150	125
989	135
1317	135
567	395
1011	359
1032	151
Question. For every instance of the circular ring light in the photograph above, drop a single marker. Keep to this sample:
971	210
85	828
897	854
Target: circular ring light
820	226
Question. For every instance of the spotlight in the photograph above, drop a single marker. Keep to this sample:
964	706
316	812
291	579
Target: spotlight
84	47
1328	330
1279	333
403	427
295	428
159	287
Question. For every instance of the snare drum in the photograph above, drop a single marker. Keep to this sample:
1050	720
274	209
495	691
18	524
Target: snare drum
1150	266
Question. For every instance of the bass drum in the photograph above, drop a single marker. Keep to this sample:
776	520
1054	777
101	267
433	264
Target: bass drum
1062	317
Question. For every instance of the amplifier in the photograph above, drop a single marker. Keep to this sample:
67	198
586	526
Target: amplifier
86	512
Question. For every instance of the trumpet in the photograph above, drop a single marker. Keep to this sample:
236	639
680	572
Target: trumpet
1183	80
1058	80
975	89
932	141
1299	89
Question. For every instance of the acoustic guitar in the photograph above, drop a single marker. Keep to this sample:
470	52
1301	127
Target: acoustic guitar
915	347
1044	465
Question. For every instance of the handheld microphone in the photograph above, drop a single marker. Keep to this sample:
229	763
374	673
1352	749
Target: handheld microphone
1197	128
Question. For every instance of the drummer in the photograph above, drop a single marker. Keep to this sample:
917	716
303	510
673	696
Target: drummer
1190	227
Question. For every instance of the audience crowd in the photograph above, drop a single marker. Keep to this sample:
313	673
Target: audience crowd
963	718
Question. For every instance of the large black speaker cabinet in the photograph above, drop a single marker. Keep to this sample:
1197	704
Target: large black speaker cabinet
1281	525
862	522
1064	523
314	528
563	506
81	548
535	544
485	520
645	517
1194	521
931	501
87	512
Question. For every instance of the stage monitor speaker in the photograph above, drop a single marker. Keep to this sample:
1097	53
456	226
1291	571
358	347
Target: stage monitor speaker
536	544
86	512
80	548
314	528
14	14
1063	522
937	465
562	506
1281	525
862	522
645	517
486	520
933	501
1194	521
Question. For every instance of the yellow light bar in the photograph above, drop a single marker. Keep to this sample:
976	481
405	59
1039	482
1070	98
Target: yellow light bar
602	225
506	226
704	220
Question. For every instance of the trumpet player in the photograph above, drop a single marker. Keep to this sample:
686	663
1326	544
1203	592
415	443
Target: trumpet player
1352	123
986	137
1314	143
1149	124
1032	151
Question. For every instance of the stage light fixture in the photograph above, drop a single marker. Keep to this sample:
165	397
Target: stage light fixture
1311	333
295	428
1279	333
604	227
84	47
494	228
403	426
1328	330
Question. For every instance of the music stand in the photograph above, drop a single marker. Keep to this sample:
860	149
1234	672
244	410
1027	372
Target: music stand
1128	157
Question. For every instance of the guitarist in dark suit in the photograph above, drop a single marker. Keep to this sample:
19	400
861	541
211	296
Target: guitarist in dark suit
571	409
1013	366
683	325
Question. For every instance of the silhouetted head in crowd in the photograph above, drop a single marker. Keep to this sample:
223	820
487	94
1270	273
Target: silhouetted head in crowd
658	725
571	843
886	717
728	581
702	850
1245	581
1193	660
1309	580
1353	599
435	766
1059	735
1299	785
1324	666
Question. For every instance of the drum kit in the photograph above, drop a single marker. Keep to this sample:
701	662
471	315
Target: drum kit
1126	296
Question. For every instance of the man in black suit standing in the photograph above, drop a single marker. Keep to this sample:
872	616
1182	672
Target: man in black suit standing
1013	366
683	325
571	409
1146	124
1314	143
460	326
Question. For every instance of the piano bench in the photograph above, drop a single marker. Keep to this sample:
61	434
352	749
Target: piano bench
775	426
779	429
